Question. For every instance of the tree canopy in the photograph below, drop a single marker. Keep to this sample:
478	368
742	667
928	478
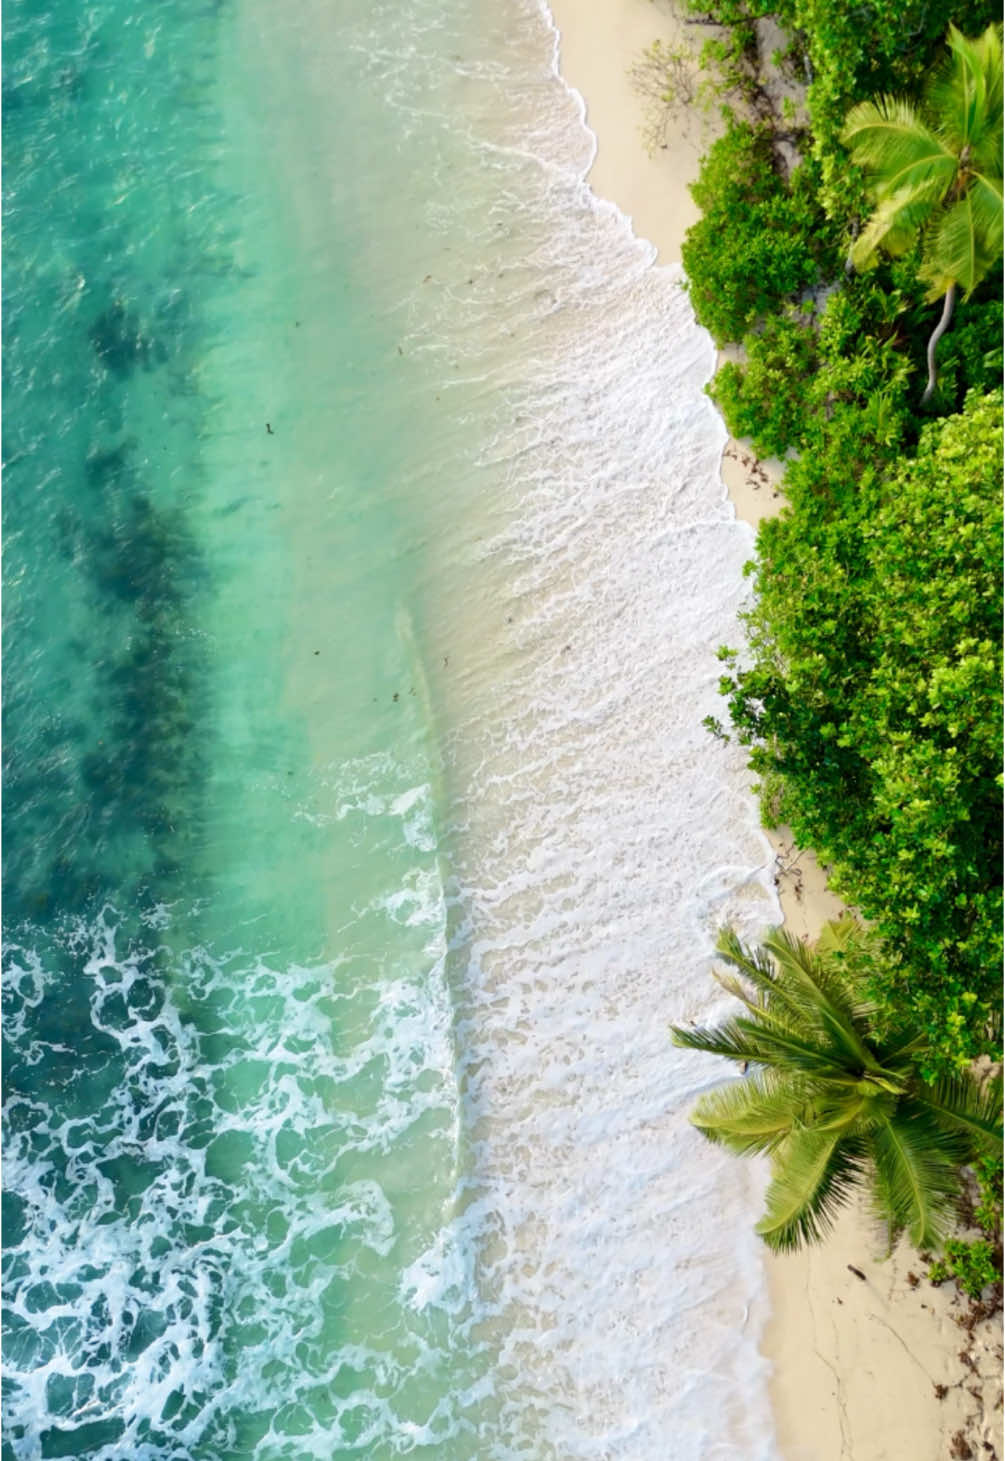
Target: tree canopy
873	710
935	170
834	1104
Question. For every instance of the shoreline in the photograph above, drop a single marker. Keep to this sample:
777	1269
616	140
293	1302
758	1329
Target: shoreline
859	1348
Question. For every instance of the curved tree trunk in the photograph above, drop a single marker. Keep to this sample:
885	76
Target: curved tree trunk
937	334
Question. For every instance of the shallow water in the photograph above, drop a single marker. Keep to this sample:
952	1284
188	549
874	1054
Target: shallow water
362	834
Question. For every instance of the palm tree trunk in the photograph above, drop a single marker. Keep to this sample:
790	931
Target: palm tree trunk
937	334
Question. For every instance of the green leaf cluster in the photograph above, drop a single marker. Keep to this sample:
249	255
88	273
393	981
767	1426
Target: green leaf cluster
762	239
870	696
850	52
831	1099
976	1264
971	1264
763	398
872	701
934	171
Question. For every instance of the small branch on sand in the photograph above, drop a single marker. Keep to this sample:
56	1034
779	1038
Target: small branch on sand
666	78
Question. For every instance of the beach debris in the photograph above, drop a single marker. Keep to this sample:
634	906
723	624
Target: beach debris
857	1272
941	1391
787	866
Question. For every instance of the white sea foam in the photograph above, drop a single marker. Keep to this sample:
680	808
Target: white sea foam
600	836
185	1227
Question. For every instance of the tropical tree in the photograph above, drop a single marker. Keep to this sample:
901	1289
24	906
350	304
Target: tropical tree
831	1102
937	170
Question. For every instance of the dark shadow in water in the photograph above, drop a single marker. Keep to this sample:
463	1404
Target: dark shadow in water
104	803
122	343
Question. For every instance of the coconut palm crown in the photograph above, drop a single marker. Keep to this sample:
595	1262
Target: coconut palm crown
937	169
833	1105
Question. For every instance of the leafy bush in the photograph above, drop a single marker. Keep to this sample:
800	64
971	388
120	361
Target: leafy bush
849	52
971	1264
976	1265
763	398
970	355
873	703
761	240
871	700
802	370
988	1210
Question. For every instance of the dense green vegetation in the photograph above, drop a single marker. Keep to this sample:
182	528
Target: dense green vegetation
869	687
779	244
976	1264
935	174
870	710
833	1102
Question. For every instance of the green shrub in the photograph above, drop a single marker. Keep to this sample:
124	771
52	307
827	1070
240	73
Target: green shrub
761	240
970	355
764	397
873	702
988	1209
971	1264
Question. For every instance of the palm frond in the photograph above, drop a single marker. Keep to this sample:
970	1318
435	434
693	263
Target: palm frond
961	1103
767	1012
849	950
957	245
813	1176
897	151
753	964
756	1042
903	1053
785	1049
987	143
917	1175
893	227
759	969
747	1116
986	191
730	1039
817	981
857	1110
941	170
965	93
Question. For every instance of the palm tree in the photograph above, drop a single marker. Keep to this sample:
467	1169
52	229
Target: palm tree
937	170
833	1104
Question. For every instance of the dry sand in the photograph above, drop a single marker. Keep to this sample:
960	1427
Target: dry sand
870	1367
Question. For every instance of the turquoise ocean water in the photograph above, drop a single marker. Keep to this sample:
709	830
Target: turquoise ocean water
365	561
